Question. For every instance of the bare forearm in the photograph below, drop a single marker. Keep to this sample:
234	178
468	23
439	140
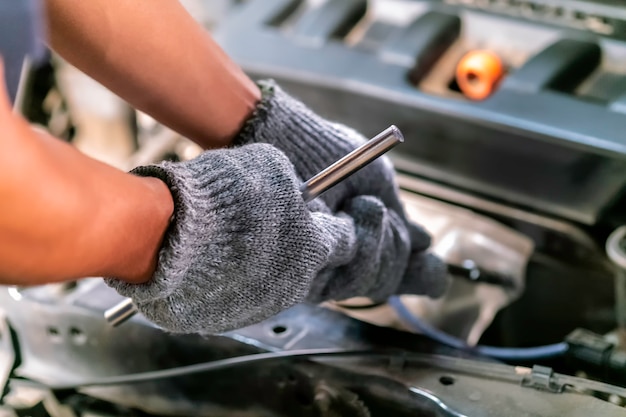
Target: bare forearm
155	56
65	216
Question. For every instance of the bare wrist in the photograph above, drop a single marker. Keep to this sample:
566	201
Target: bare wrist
144	240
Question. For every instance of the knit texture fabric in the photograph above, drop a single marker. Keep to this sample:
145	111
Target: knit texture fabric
243	245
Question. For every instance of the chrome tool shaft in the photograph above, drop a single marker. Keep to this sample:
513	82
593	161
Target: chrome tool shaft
351	163
121	312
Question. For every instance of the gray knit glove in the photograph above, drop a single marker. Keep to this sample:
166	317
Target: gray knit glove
313	143
243	246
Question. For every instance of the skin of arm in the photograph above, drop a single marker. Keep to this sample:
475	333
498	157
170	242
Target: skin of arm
64	215
155	56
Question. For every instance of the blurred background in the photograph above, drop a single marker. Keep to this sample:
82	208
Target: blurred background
514	114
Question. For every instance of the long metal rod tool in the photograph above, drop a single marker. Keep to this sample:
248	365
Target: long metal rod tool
351	163
313	188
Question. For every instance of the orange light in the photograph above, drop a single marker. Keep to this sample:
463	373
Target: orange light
478	74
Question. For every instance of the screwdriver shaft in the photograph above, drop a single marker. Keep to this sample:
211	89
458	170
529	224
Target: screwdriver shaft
351	163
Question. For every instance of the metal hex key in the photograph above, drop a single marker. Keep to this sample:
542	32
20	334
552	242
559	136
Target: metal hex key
320	183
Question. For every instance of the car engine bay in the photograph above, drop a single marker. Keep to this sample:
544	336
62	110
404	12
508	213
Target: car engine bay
523	196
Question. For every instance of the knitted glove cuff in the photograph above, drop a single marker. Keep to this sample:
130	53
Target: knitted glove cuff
187	190
285	122
309	141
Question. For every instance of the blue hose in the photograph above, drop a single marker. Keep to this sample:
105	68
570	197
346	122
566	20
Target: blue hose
512	354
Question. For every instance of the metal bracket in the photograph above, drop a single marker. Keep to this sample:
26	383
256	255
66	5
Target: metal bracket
542	378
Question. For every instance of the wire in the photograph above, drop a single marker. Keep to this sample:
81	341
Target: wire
395	303
247	359
210	366
531	353
472	367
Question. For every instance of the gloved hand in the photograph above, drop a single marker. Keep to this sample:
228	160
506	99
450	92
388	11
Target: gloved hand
312	144
244	246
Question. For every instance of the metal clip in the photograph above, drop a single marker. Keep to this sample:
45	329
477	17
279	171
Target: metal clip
542	378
